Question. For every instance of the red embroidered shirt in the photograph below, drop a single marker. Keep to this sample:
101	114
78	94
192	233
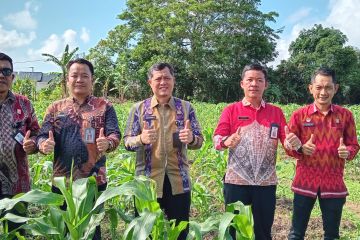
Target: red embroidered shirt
323	171
252	162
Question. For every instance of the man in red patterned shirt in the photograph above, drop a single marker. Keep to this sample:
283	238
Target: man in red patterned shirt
322	136
18	127
251	129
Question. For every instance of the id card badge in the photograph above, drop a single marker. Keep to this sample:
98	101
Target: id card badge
89	135
274	131
19	137
176	140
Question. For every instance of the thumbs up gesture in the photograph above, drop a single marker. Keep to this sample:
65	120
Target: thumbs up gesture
291	140
48	145
148	134
102	143
186	135
342	150
28	144
309	147
234	139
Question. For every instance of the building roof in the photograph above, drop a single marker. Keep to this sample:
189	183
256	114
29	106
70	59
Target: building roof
37	76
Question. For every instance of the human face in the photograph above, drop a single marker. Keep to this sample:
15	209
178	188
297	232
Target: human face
5	81
162	84
253	84
323	90
79	80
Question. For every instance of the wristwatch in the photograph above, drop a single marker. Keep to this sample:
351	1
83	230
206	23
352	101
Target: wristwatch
222	142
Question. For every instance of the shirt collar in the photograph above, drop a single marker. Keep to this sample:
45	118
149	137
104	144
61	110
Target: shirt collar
154	102
87	99
314	108
10	97
247	103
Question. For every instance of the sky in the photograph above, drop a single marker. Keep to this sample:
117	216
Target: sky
30	28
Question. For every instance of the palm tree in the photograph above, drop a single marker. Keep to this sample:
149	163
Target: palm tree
62	62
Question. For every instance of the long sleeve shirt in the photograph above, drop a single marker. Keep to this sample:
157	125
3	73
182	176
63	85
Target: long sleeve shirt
16	116
323	171
76	127
163	157
252	161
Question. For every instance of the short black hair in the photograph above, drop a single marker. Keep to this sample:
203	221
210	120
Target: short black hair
324	71
256	67
4	57
160	66
81	61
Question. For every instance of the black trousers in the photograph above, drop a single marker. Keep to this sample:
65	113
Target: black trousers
262	200
101	188
14	210
331	210
175	206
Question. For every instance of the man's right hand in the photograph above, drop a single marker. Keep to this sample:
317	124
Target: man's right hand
234	139
291	139
148	134
47	146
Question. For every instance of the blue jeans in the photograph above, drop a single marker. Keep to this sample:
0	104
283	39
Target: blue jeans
331	210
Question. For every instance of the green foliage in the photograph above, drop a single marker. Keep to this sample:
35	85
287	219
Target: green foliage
313	48
208	42
208	218
25	87
62	62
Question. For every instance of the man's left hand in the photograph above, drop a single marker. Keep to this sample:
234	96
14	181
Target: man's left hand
186	135
102	142
28	144
342	150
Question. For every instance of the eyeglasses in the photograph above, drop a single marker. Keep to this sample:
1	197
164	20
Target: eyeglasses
6	71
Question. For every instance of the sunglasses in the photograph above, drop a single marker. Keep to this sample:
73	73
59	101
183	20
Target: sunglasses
6	71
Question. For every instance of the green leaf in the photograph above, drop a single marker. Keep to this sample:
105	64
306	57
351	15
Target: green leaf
33	196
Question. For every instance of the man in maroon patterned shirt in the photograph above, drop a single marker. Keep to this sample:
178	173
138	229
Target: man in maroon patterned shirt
251	129
18	128
322	136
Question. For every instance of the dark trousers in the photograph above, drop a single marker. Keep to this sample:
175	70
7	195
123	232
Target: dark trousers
14	210
101	188
175	206
331	210
262	200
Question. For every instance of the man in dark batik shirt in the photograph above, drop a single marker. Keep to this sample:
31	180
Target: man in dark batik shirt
18	128
80	129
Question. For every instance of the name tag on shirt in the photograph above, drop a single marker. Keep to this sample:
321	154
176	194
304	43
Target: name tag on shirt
274	131
149	117
19	137
89	135
243	118
309	124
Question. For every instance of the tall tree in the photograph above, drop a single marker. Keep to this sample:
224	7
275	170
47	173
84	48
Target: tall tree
208	42
62	62
317	47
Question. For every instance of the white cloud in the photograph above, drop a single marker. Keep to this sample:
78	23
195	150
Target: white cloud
85	36
55	44
69	37
345	16
284	42
13	39
23	19
299	15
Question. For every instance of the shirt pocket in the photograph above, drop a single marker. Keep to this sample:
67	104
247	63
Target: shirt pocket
337	130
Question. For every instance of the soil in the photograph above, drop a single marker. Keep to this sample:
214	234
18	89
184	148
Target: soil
282	221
